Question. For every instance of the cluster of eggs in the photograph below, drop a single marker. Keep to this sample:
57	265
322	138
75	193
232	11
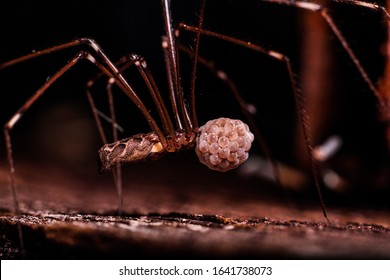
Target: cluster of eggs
223	144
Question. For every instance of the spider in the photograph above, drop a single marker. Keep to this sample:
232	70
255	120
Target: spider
221	144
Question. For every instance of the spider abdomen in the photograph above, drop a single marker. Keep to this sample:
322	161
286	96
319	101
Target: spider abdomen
223	144
139	148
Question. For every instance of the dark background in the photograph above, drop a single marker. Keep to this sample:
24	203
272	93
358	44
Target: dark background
55	144
59	129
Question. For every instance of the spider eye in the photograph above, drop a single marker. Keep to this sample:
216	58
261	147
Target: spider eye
223	144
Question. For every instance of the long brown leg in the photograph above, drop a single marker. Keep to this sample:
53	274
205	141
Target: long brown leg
246	108
141	65
12	122
123	64
194	65
173	71
19	114
117	172
323	11
98	57
297	95
105	65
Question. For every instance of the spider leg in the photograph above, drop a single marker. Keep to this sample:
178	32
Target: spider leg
299	100
123	64
117	172
143	69
98	57
194	65
19	114
246	109
323	11
173	70
141	65
96	113
13	121
371	6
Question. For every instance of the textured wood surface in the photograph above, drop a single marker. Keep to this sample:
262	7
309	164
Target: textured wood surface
179	209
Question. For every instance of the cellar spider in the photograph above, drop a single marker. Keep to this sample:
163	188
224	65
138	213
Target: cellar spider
179	129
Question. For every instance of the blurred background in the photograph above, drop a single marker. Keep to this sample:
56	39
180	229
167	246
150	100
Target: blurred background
59	129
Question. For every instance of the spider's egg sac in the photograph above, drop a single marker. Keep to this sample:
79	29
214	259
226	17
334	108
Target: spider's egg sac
223	144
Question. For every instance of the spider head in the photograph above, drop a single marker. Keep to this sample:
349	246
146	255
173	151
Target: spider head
223	144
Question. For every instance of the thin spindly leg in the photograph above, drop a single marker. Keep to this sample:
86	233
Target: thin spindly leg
194	65
173	70
171	85
299	101
97	113
382	96
183	118
100	60
117	171
98	57
112	119
141	65
143	69
19	114
323	11
13	121
123	64
245	108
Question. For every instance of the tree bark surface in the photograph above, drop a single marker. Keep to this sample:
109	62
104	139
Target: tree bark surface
176	210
